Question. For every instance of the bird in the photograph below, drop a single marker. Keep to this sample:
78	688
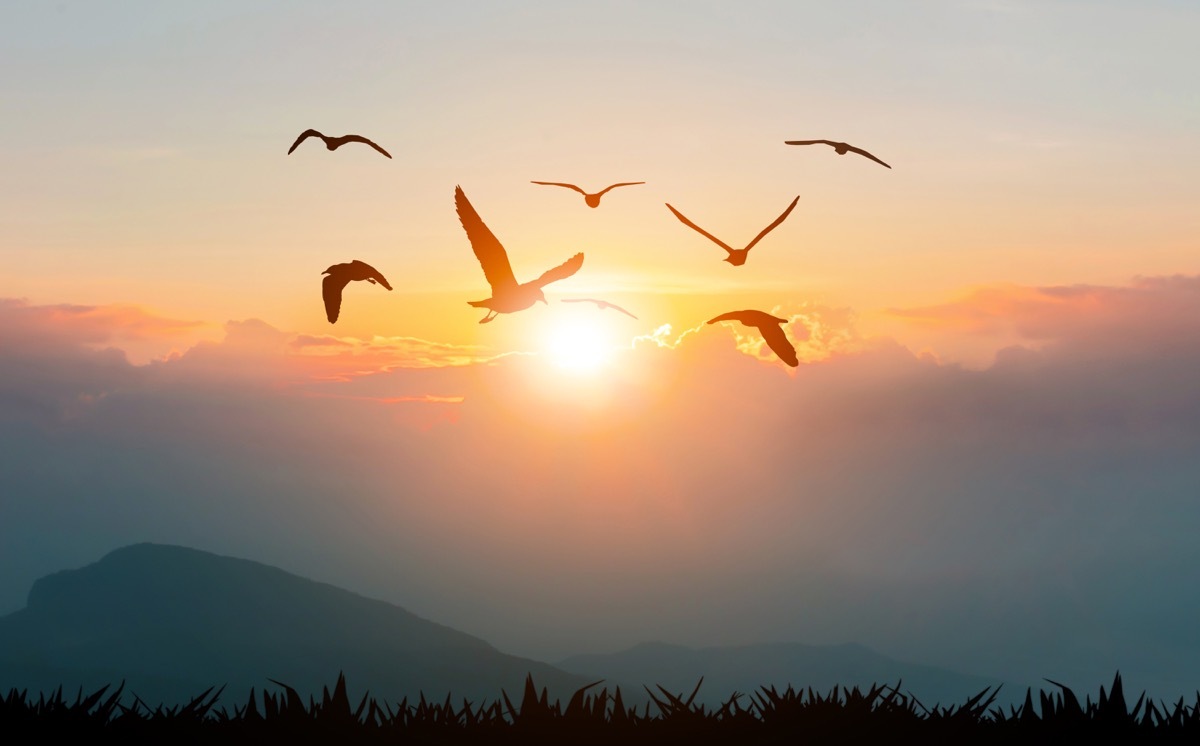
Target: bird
602	304
771	331
737	257
333	143
507	295
339	275
841	148
592	200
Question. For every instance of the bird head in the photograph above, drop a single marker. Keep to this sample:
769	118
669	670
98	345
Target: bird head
542	297
738	258
330	270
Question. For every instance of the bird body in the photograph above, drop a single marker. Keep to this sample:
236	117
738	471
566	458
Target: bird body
771	329
737	257
508	296
602	304
840	148
333	143
340	275
592	200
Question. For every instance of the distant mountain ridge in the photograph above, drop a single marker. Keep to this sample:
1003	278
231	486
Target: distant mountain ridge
747	668
173	621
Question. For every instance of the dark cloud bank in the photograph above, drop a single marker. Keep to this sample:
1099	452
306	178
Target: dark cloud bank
1036	518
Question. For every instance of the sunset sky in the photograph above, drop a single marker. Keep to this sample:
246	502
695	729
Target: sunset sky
987	451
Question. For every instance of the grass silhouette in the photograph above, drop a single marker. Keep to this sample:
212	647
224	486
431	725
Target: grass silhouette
767	716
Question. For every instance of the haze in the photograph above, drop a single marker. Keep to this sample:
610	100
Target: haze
985	460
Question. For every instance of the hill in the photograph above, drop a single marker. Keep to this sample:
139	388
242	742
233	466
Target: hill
172	621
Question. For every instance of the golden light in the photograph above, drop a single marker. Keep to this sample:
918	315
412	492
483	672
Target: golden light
580	342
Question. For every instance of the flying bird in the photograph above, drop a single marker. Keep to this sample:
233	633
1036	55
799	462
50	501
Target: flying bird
339	275
771	330
507	295
592	200
737	257
841	148
602	304
333	143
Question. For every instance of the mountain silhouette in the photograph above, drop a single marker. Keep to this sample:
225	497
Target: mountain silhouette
173	621
746	668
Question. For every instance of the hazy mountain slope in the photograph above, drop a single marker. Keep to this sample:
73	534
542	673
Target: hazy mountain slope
173	621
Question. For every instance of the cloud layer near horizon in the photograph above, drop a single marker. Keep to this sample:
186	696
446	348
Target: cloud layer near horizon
1006	520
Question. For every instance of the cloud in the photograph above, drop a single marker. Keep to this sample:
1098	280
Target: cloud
140	334
1002	519
303	341
253	348
1150	315
382	353
87	324
1058	312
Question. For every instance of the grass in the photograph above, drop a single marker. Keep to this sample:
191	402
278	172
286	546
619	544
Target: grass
767	716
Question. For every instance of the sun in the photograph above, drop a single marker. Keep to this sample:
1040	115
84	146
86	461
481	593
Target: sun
579	344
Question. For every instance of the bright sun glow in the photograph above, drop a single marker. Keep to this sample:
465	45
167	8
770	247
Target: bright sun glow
579	343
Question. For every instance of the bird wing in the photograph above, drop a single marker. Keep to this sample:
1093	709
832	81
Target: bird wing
771	227
860	151
699	230
492	256
615	307
779	344
809	142
561	272
374	274
304	136
360	138
559	183
738	316
331	291
614	186
749	318
601	303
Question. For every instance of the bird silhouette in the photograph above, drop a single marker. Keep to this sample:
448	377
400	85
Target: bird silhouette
507	295
737	257
339	275
841	148
333	143
592	200
771	331
602	304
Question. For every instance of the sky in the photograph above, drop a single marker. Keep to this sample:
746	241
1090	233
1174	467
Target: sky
985	459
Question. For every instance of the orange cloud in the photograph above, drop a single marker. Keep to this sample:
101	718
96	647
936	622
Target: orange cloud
984	310
1050	312
333	358
98	324
125	321
303	341
1149	312
142	334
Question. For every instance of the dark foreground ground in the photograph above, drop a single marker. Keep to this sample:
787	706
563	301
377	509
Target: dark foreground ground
768	716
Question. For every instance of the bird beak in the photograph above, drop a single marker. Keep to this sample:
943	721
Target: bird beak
543	300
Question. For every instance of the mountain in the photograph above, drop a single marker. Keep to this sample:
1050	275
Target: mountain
747	668
172	622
